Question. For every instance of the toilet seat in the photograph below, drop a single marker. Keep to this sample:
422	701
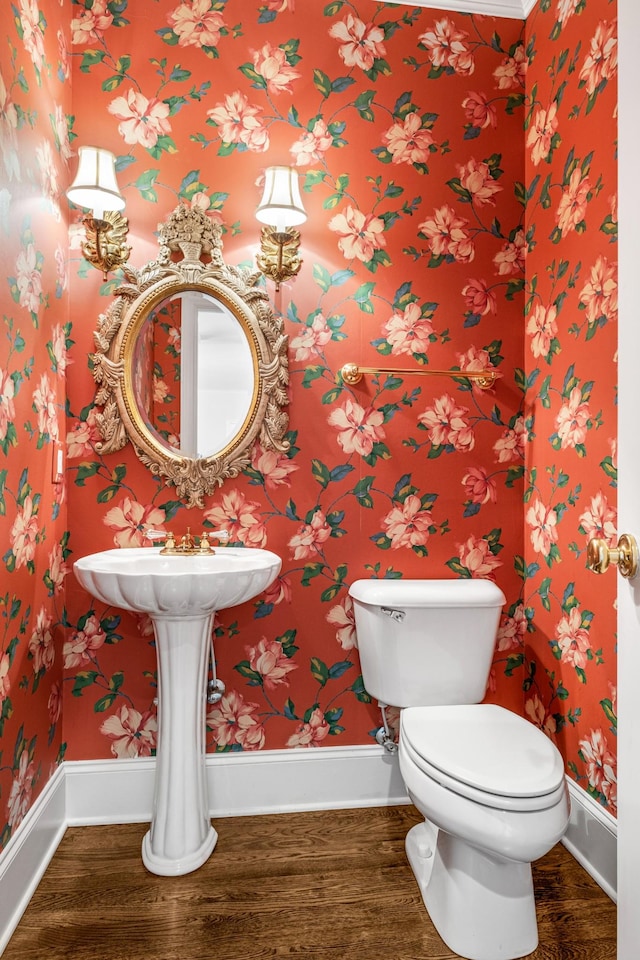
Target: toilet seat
485	753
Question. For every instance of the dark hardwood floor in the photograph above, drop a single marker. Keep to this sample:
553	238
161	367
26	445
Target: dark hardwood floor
329	885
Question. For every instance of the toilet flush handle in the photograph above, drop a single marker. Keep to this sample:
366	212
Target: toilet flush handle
397	615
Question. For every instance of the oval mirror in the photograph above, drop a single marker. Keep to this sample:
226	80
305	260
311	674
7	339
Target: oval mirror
191	364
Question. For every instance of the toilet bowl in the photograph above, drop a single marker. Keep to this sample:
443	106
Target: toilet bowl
487	816
490	785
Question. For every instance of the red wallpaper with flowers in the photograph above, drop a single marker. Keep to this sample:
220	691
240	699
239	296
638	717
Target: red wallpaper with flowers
35	152
406	127
570	352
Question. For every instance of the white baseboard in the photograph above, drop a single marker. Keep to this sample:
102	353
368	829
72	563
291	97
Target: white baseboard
241	784
26	856
592	838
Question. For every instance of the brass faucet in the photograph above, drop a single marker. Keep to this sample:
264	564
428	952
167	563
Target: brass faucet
187	545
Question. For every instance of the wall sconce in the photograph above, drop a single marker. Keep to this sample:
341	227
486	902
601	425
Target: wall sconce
96	188
281	210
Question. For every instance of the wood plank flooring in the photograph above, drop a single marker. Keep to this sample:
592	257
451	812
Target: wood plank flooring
330	885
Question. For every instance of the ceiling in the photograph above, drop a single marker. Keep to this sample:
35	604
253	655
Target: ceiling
518	9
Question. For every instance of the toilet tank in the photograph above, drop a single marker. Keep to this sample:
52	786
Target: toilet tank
426	642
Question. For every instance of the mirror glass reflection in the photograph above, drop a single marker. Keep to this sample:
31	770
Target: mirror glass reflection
193	374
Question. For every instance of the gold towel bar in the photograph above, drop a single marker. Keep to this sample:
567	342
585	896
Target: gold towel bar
353	373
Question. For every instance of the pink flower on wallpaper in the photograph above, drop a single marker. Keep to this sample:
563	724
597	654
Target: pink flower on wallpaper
19	799
45	406
62	276
241	518
601	63
7	408
408	141
91	24
59	350
600	519
342	617
29	279
535	711
272	65
160	390
308	344
479	111
359	428
48	176
600	766
276	468
512	630
572	421
448	235
446	47
511	73
132	734
479	298
267	659
475	176
32	31
544	531
142	120
573	639
54	703
306	543
409	332
312	145
279	5
196	24
24	533
599	296
235	721
81	440
475	554
511	258
279	591
360	234
566	9
510	446
479	487
239	122
447	424
58	569
5	679
64	64
131	521
542	328
573	202
360	43
83	643
312	733
407	524
41	645
476	358
61	133
541	131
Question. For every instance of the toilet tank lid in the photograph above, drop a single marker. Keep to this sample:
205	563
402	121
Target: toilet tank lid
428	593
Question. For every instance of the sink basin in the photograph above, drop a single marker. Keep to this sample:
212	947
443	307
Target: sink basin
142	580
181	595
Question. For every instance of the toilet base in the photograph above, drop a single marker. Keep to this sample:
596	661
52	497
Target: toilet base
482	906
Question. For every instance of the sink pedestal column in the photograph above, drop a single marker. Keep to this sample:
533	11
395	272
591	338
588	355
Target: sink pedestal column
181	837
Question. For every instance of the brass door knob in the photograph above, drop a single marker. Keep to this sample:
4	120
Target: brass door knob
625	555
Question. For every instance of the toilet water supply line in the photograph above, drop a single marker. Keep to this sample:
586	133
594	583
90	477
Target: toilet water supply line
383	735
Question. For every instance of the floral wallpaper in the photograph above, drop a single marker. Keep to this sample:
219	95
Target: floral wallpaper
36	335
571	304
424	197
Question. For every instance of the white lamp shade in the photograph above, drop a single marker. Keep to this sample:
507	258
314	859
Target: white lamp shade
281	204
95	186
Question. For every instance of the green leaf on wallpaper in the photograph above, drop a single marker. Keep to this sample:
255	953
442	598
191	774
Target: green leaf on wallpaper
332	8
103	703
146	183
310	571
321	82
175	105
456	567
381	540
167	34
362	492
164	145
607	707
514	662
341	83
83	679
250	73
362	296
331	395
91	57
363	102
322	277
358	688
108	493
311	373
319	671
320	473
245	670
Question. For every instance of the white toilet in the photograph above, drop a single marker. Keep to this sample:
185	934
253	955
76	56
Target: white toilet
490	785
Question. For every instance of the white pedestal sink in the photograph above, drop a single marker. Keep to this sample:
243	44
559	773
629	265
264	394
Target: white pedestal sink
181	595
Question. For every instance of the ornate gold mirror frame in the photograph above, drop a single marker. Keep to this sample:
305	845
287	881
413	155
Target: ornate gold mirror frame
191	235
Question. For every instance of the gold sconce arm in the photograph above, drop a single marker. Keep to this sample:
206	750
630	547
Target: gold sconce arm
278	258
105	246
353	373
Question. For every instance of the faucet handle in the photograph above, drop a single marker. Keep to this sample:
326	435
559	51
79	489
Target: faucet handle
169	539
222	535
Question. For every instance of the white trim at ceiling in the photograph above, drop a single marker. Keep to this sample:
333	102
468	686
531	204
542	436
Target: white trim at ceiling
516	9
